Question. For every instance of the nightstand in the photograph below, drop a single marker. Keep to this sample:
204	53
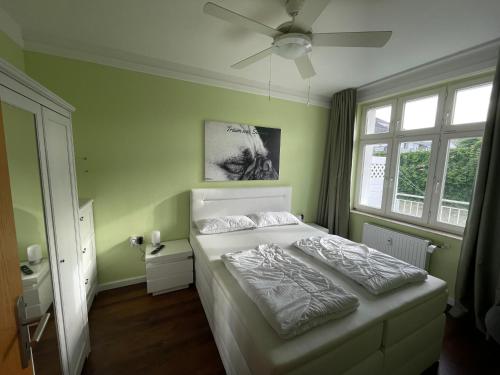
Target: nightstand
316	226
171	268
37	289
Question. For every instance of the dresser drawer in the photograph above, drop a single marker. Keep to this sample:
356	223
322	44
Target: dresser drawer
86	223
161	270
88	282
88	255
168	283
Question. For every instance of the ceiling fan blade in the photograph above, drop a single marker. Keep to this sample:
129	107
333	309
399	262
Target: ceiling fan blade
239	20
356	39
252	59
309	13
305	67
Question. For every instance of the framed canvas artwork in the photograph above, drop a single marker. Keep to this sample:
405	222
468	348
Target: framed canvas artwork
241	152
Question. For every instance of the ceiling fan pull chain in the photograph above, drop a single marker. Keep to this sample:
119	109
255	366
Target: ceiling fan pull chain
309	86
309	92
269	85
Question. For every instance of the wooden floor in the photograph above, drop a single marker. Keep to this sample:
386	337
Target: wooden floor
134	333
46	359
465	350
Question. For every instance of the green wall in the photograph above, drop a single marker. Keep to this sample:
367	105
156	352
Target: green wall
24	173
11	52
140	149
139	144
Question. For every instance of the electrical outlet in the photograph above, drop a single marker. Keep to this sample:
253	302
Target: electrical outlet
136	240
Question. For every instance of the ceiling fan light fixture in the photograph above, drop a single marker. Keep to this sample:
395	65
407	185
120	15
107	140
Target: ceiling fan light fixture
292	45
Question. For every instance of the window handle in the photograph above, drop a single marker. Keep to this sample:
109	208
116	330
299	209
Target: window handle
436	187
447	118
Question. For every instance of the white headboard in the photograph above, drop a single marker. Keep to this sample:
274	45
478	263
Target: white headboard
207	203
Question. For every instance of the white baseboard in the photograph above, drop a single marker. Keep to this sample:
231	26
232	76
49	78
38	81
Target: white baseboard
121	283
451	301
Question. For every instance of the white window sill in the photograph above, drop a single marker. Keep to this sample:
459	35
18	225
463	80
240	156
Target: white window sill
407	225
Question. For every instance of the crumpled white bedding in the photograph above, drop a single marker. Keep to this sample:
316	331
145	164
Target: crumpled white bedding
292	296
376	271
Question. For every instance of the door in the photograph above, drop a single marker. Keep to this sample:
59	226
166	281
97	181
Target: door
64	202
25	244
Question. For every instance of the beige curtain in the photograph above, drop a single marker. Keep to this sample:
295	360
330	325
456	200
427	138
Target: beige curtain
333	208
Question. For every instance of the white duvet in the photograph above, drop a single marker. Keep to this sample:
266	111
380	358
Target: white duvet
292	296
376	271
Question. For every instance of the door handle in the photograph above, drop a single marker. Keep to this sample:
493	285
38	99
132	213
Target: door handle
40	329
23	331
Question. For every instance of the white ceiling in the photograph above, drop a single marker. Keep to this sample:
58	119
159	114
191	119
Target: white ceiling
177	34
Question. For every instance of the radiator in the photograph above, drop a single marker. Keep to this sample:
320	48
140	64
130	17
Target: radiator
411	249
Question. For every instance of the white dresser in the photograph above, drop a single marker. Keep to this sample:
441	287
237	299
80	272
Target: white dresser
89	263
170	269
37	289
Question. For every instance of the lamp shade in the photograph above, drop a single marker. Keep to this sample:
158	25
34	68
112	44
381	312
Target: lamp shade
155	237
34	254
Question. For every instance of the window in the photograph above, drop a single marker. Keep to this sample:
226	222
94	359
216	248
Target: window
411	177
420	113
462	159
423	171
378	120
471	104
373	174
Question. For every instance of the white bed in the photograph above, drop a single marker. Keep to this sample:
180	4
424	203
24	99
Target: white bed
399	332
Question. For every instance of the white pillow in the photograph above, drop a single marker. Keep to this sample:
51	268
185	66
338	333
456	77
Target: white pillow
224	224
267	219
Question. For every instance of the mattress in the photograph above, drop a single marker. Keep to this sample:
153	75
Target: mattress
378	272
291	296
343	342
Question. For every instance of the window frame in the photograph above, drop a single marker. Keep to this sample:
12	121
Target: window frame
441	176
450	106
440	92
440	134
359	168
394	171
392	123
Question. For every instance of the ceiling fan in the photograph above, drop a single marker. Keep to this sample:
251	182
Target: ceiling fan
294	39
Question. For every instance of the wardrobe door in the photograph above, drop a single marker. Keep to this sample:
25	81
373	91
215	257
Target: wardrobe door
60	161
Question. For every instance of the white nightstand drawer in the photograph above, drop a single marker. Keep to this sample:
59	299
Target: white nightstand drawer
168	283
156	271
171	268
39	292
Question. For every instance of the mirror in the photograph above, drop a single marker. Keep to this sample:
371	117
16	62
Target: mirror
27	199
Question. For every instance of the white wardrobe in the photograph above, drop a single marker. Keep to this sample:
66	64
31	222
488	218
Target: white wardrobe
60	203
